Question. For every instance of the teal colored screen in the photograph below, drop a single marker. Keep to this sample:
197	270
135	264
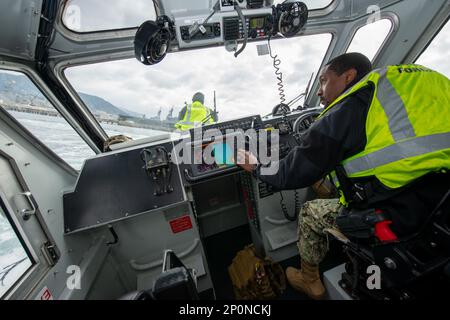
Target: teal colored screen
223	154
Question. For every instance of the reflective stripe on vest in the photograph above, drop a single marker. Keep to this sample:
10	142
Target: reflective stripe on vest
394	108
398	151
407	125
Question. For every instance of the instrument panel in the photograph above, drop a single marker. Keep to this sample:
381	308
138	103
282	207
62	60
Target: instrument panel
193	31
289	127
209	159
127	182
245	123
257	27
208	31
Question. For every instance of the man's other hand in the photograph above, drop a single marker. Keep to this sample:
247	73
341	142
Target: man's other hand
246	160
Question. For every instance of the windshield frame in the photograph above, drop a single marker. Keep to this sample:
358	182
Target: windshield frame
131	31
61	67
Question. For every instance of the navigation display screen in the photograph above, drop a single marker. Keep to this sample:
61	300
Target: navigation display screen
223	154
256	23
215	155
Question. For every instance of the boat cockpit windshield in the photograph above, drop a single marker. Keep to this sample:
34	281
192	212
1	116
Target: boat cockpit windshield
120	125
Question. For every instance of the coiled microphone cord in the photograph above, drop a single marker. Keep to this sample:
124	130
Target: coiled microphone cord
278	73
285	210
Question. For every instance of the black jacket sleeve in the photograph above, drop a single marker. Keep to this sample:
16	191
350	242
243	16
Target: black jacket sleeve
339	134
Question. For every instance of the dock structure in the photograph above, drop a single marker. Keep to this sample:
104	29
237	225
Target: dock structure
32	109
126	121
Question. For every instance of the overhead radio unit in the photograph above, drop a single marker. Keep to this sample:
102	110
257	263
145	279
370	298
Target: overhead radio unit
228	5
207	31
258	26
231	21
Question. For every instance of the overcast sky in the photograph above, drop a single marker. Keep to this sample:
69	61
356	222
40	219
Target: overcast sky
244	85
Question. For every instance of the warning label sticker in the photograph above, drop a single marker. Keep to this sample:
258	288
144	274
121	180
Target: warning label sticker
181	224
44	294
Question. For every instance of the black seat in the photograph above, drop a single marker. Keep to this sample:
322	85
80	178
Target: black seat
405	264
175	282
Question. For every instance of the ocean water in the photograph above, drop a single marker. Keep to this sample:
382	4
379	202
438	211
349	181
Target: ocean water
13	258
62	139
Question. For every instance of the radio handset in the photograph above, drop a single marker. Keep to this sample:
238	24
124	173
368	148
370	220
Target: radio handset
244	28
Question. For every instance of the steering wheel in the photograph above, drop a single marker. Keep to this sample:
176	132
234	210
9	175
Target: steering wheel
305	120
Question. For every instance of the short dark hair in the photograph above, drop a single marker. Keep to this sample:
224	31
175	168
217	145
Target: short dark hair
198	96
351	60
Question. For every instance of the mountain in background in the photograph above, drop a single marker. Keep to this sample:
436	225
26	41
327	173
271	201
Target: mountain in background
17	83
132	113
18	88
96	103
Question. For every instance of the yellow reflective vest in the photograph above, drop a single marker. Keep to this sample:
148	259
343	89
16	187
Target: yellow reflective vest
407	126
194	115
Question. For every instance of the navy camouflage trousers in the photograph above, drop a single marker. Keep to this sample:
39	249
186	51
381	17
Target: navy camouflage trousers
314	217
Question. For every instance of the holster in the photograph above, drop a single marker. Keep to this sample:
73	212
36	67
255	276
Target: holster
359	223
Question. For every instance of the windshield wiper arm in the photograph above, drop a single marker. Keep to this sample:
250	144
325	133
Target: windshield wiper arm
9	268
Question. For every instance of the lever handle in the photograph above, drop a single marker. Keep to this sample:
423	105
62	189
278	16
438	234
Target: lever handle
27	213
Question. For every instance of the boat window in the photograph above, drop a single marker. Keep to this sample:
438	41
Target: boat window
14	259
436	55
311	4
127	96
90	16
369	38
26	103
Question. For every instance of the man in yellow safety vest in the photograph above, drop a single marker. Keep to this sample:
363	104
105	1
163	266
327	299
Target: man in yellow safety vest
195	114
383	139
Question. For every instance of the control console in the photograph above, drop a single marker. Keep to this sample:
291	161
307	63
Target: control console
208	27
258	26
210	158
250	122
213	153
289	126
207	31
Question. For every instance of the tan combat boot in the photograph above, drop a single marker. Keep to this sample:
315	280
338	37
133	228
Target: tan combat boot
306	280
